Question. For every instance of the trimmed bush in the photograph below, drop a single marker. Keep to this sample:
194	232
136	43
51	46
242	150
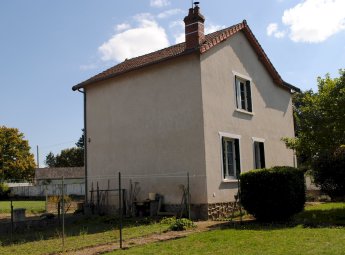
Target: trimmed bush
273	194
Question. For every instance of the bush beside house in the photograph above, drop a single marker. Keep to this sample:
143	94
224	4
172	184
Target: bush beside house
273	194
329	173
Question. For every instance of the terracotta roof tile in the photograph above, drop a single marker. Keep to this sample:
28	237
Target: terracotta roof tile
180	49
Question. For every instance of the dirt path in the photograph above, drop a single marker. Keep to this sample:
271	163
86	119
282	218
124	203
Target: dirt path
201	227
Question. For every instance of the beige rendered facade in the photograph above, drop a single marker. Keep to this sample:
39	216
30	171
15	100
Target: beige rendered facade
212	107
170	117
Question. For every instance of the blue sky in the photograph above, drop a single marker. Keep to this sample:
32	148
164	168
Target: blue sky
46	47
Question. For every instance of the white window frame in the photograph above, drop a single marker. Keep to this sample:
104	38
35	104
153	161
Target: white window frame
237	77
257	140
229	136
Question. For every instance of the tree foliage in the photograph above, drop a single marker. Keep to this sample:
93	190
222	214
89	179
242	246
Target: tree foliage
320	133
16	161
70	157
319	119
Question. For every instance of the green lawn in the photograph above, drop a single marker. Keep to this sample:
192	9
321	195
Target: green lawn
32	207
89	231
319	229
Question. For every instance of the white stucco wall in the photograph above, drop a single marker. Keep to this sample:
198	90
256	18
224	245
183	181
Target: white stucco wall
149	122
272	108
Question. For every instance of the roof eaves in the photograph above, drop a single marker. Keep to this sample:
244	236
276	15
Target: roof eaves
94	80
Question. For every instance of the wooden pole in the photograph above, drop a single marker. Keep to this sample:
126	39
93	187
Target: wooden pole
120	209
63	215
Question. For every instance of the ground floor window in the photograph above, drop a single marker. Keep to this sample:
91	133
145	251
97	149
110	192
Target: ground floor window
230	157
259	155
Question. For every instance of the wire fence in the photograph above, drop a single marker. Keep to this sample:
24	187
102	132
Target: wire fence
119	207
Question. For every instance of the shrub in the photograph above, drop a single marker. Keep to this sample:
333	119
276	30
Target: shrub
273	194
329	173
4	190
178	224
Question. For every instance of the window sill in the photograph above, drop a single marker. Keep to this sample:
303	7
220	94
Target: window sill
245	112
230	180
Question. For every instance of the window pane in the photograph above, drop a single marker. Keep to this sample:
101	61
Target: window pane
243	95
230	158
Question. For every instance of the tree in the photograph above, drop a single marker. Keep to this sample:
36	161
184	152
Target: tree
319	119
71	157
320	130
16	161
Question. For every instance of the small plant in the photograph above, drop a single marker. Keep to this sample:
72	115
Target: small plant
4	190
58	200
178	224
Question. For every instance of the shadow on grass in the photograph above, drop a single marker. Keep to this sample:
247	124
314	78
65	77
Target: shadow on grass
316	218
84	225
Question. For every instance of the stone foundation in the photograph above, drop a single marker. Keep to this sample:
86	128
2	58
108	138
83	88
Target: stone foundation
224	210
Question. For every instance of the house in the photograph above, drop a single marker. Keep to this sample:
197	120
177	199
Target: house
213	106
48	182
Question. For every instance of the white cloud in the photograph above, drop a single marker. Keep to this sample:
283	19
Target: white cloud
314	21
148	36
168	13
272	29
179	38
87	67
210	28
122	27
159	3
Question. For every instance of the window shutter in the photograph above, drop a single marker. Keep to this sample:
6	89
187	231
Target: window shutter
249	96
237	157
224	156
262	155
236	91
256	153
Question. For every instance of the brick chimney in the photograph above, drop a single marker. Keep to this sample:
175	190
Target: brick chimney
194	28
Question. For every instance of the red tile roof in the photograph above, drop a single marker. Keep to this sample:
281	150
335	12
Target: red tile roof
211	40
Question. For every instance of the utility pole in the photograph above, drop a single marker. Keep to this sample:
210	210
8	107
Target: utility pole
38	157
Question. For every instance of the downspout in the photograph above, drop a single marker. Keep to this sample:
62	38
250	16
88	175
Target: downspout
85	147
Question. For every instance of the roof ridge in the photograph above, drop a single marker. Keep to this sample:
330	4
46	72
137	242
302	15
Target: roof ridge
179	49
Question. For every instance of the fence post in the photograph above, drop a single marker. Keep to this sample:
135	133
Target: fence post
63	215
188	196
46	189
120	209
12	220
98	209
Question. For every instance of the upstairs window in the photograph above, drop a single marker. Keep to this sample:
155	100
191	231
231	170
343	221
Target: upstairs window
259	155
231	158
243	94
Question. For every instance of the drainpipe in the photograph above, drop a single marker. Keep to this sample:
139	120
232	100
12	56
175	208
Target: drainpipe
85	147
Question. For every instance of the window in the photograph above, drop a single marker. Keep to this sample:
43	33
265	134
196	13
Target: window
243	94
259	155
230	157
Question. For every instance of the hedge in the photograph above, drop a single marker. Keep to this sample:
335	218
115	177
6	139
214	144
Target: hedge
273	194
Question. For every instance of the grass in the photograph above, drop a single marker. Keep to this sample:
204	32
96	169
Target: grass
32	207
320	229
89	231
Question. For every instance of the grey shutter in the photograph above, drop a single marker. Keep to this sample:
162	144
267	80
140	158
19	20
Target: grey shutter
237	157
249	96
224	156
236	91
256	153
262	155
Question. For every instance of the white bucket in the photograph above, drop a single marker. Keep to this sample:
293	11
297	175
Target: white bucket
152	196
